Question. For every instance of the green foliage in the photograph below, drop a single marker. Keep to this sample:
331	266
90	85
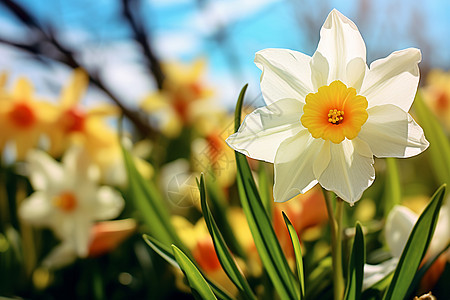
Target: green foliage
199	287
149	203
298	254
356	266
439	149
260	225
225	257
415	248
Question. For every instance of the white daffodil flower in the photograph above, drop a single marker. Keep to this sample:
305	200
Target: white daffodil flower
67	198
399	225
329	114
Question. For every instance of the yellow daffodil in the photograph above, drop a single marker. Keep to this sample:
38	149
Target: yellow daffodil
437	95
329	114
67	199
74	123
182	100
23	119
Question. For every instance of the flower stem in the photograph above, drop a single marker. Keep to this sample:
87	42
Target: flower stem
335	219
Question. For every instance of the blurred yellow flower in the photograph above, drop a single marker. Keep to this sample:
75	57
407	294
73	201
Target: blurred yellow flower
437	95
197	239
23	119
210	152
182	100
75	124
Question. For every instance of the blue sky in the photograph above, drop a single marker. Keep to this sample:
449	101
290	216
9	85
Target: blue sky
184	30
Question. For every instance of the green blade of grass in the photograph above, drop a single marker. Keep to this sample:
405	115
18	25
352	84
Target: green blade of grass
262	231
199	287
298	254
415	248
393	193
439	149
164	252
225	258
356	266
150	205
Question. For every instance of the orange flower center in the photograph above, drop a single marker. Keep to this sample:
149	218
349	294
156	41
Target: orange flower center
22	115
66	201
323	113
74	120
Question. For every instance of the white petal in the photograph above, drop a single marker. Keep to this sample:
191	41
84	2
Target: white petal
109	204
355	71
294	165
340	42
323	159
349	172
36	209
319	71
392	132
399	225
285	74
62	255
393	80
265	128
81	234
45	172
374	273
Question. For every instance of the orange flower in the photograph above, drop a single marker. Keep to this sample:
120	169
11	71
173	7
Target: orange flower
107	235
304	211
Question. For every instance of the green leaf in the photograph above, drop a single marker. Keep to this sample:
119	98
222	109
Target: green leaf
415	248
199	287
376	291
219	209
356	266
164	252
421	272
439	149
225	258
263	233
264	188
150	205
393	193
298	254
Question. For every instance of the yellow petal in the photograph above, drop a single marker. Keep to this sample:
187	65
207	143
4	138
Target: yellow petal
72	93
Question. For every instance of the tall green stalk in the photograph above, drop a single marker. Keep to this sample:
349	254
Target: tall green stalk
335	220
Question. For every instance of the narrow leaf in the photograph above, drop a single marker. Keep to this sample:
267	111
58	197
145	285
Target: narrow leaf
150	205
298	254
415	248
164	252
219	209
225	258
199	287
421	272
263	233
393	193
439	149
264	188
356	266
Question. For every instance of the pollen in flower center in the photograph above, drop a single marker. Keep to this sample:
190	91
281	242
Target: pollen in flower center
335	116
65	201
335	112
